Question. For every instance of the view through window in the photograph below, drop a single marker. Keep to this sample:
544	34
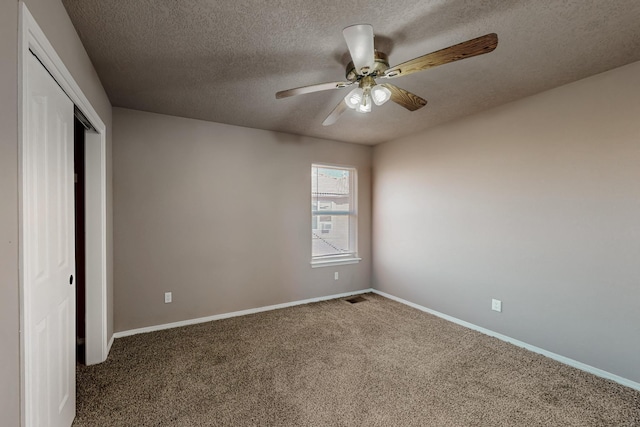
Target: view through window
333	211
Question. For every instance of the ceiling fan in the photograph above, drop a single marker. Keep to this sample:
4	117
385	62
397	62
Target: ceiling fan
368	64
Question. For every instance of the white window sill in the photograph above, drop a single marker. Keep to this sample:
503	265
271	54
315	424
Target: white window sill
332	262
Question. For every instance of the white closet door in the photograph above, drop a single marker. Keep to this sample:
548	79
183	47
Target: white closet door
49	252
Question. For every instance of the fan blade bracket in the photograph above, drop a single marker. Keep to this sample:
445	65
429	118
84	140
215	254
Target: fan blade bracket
391	74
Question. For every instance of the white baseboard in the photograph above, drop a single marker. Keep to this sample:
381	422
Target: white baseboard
233	314
110	343
562	359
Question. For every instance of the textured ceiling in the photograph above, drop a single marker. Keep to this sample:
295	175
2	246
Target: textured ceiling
223	61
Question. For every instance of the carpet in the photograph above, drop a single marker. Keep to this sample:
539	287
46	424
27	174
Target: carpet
332	363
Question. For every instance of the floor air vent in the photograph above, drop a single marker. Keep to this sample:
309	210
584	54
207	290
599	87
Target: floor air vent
354	300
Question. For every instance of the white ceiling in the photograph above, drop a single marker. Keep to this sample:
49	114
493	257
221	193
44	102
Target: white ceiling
223	61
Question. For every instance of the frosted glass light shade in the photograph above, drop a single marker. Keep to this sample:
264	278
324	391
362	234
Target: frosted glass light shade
380	94
354	98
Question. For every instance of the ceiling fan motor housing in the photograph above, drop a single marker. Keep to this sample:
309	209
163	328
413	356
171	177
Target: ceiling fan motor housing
379	66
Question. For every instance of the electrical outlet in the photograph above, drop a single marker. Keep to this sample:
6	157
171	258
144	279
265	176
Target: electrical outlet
335	276
167	297
496	305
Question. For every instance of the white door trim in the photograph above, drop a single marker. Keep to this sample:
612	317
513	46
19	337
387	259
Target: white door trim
32	38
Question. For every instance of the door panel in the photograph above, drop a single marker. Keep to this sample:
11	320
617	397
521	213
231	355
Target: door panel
41	380
49	256
63	353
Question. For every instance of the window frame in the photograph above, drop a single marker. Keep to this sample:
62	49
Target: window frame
352	256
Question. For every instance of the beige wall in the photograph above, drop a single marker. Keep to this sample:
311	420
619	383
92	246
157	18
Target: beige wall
51	16
536	203
9	314
220	215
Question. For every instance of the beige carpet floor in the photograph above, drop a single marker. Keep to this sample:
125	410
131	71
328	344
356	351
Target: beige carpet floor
374	363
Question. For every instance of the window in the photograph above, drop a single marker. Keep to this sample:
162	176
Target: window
333	215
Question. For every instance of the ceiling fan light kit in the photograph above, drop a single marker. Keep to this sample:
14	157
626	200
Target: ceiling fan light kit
368	91
368	64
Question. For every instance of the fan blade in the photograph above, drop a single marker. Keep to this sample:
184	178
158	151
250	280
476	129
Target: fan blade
405	98
311	88
359	40
474	47
335	114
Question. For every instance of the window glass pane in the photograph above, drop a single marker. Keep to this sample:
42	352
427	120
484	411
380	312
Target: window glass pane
331	237
330	189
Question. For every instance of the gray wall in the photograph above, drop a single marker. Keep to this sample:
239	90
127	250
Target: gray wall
9	307
536	203
220	215
51	16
